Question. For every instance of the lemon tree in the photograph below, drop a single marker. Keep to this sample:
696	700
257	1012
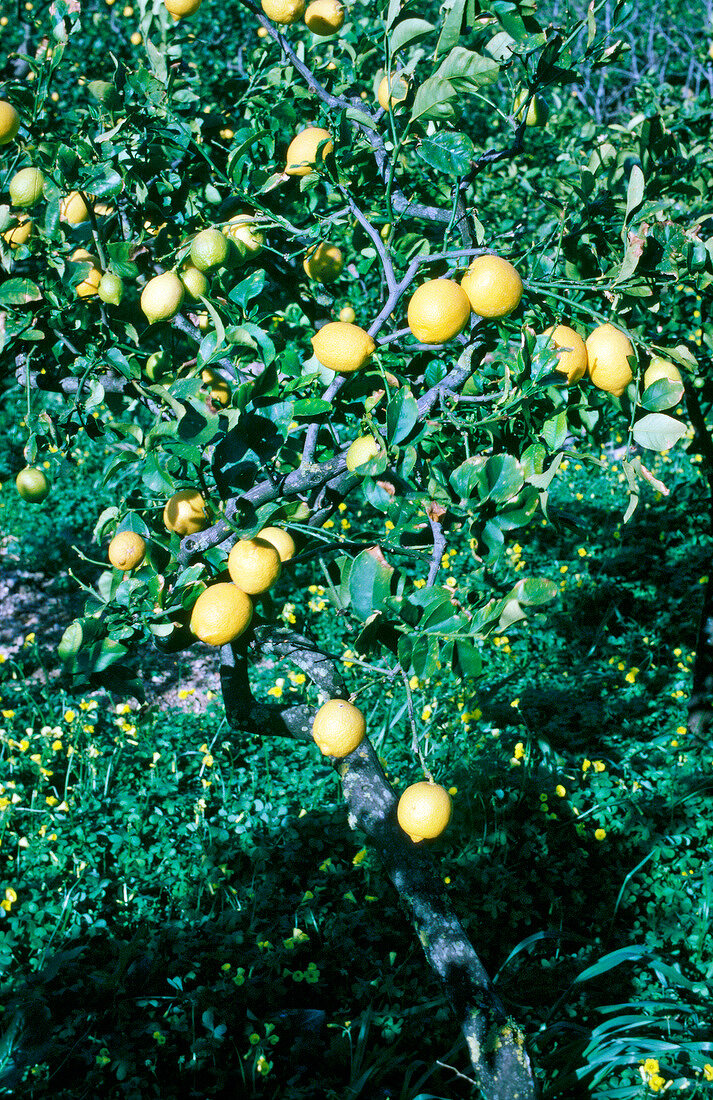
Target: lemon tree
337	310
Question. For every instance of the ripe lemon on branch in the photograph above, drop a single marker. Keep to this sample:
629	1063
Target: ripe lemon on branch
32	484
181	8
209	249
195	282
424	810
220	390
324	262
608	353
338	728
342	346
111	288
661	368
361	450
438	311
89	285
283	11
185	512
393	89
325	17
73	209
302	150
221	614
245	234
254	565
493	286
126	550
19	234
26	187
9	122
162	297
571	352
282	541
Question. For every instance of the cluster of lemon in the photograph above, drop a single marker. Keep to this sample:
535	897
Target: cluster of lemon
424	808
224	610
491	288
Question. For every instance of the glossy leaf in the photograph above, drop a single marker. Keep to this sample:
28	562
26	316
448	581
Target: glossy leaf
658	432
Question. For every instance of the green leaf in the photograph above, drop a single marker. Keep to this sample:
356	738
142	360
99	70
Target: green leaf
424	656
408	33
433	100
465	67
465	477
369	582
450	33
634	953
103	181
440	615
466	659
535	591
449	153
249	288
401	416
17	292
501	479
554	431
662	394
658	432
634	191
311	407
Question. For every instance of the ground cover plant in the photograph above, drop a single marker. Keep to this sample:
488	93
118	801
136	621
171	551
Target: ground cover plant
366	349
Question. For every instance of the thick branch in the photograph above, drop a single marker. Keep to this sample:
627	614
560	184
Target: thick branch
496	1047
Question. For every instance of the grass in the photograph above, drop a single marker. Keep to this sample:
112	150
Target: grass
186	912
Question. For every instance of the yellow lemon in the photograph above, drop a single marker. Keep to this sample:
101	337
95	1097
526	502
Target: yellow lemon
571	352
661	368
493	286
245	233
424	810
398	85
343	347
282	541
221	614
347	314
89	284
32	484
283	11
438	311
254	565
302	150
324	262
185	512
180	8
20	233
26	187
162	297
9	122
338	728
195	282
209	249
324	17
361	450
126	550
220	391
608	352
111	288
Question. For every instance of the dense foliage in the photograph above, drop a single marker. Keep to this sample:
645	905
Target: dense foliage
476	586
